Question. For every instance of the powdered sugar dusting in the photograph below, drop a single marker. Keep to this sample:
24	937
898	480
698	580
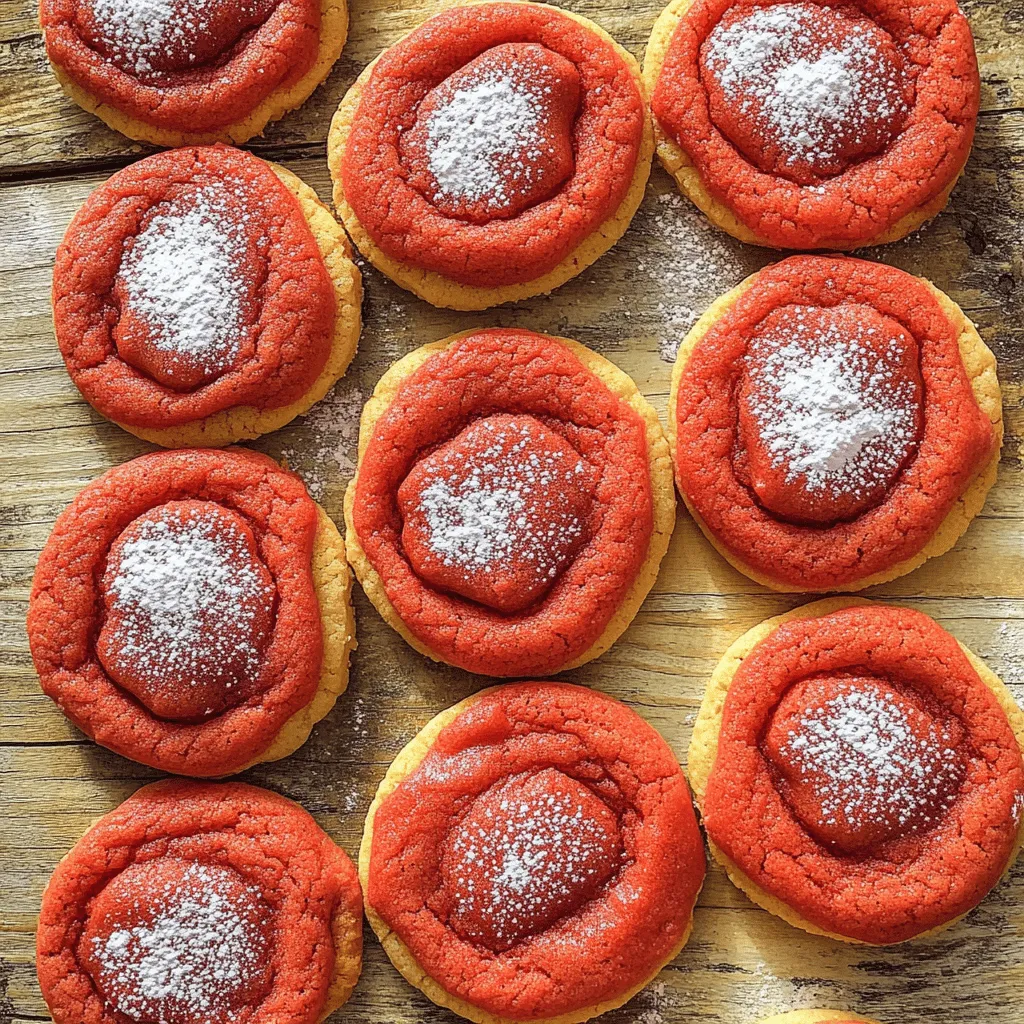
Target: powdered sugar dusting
191	959
183	277
882	772
531	855
330	433
482	518
147	37
188	597
685	263
831	413
482	127
812	92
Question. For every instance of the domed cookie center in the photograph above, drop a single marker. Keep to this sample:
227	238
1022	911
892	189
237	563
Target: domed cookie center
830	411
862	762
146	38
802	90
187	289
529	852
179	942
495	137
497	513
189	610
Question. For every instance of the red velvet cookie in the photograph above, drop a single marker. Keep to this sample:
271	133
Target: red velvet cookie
173	72
191	611
532	855
859	772
492	153
512	502
200	903
809	125
835	423
203	296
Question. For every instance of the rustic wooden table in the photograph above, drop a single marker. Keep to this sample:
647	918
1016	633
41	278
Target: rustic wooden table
634	305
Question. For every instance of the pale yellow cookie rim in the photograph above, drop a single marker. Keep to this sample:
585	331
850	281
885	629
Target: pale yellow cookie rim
980	364
407	761
675	160
662	491
245	422
443	291
332	581
334	22
818	1017
703	751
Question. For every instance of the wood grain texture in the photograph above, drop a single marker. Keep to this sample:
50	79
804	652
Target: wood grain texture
633	306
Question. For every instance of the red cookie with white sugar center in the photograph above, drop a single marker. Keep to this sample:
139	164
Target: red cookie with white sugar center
532	855
203	922
861	762
202	296
533	155
511	504
175	72
829	410
188	610
492	153
498	512
200	903
192	610
860	773
834	423
806	125
529	852
805	91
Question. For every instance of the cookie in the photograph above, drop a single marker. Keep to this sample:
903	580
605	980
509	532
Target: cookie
512	502
494	859
492	154
803	126
188	73
203	296
192	610
200	901
880	797
834	424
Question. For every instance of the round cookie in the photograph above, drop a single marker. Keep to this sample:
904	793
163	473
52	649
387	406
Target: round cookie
406	766
818	1017
442	291
334	23
677	162
229	422
163	908
703	750
662	497
97	645
980	366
